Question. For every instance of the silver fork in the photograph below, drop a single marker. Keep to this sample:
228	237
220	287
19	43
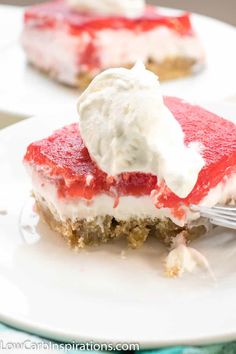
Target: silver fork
218	215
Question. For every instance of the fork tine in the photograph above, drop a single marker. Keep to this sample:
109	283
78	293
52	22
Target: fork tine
212	213
224	217
228	208
224	223
216	212
218	215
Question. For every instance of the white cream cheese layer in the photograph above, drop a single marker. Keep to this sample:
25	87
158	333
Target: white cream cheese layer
157	44
55	52
127	8
128	206
126	127
58	52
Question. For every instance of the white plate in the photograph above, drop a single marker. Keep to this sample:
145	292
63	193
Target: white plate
10	24
98	294
25	91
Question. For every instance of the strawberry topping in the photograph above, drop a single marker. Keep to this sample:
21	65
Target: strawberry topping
64	160
56	14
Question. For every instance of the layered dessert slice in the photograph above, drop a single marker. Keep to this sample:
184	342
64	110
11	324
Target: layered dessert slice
86	205
74	40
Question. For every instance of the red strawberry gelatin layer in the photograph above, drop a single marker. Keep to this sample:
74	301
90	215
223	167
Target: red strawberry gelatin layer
63	159
56	14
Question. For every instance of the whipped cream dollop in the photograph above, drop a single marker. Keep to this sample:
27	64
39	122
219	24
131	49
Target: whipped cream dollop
127	8
127	128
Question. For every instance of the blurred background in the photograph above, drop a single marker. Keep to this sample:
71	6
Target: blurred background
223	10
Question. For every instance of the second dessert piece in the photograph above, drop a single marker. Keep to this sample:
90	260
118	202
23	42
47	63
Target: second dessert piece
74	40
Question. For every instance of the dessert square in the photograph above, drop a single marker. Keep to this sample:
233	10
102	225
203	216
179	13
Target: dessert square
87	206
73	46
